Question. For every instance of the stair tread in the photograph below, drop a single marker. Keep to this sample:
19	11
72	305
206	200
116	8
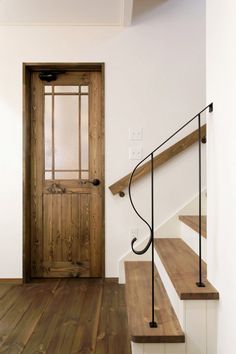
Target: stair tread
138	299
181	264
193	222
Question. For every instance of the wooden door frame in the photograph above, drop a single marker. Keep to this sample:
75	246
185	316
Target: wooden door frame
28	68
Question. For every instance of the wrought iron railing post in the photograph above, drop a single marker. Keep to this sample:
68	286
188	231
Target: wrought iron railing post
153	323
200	282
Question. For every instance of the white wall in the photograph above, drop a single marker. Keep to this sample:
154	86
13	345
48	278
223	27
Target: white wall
221	194
155	79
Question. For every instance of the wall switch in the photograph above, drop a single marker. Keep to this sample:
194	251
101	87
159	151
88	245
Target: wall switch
133	234
135	153
135	134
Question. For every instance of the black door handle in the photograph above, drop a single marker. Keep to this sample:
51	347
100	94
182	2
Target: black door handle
95	182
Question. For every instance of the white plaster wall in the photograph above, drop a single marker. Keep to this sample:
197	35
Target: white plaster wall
155	79
221	191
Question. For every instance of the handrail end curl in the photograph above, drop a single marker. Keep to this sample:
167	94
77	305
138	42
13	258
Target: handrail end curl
143	250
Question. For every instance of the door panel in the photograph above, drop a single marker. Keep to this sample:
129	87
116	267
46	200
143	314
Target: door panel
67	154
66	235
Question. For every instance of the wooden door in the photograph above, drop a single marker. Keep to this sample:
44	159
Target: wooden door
67	176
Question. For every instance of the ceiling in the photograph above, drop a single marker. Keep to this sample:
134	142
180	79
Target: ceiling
66	12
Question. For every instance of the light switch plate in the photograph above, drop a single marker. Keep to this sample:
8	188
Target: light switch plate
135	153
135	134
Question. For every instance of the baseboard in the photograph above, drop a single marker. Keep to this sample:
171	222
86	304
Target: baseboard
11	281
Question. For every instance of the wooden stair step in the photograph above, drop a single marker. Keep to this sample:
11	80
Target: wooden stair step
181	264
193	222
138	299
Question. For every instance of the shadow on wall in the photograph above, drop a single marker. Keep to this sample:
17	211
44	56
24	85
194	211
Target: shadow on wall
143	9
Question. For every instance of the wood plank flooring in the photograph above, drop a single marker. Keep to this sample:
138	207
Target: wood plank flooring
67	316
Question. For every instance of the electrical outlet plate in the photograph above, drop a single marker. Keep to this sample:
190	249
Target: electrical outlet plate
135	153
135	134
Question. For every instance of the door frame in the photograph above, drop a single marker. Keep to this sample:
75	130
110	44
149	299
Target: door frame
28	68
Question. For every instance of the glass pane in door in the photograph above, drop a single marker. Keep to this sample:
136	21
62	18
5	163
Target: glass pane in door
66	131
84	133
66	126
48	132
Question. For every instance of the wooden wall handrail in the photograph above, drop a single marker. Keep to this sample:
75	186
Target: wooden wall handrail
159	160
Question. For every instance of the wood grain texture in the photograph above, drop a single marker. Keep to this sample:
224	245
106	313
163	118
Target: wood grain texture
67	225
159	160
64	316
4	288
193	222
37	176
112	336
32	246
138	298
96	167
181	264
25	312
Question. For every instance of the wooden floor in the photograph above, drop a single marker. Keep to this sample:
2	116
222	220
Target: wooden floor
84	316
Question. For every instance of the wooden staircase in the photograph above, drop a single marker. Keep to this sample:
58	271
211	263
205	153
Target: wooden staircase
186	314
185	305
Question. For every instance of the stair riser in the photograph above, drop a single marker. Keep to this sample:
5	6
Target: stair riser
191	237
175	348
177	304
197	317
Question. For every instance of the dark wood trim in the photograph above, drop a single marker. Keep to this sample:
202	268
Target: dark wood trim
26	172
104	161
28	68
65	66
159	160
11	281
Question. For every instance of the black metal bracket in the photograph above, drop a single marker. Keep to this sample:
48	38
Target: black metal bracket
200	284
153	324
49	75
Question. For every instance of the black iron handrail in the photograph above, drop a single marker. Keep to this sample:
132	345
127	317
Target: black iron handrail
151	227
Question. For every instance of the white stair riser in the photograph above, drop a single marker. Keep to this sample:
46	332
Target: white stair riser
176	303
197	317
158	348
191	237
